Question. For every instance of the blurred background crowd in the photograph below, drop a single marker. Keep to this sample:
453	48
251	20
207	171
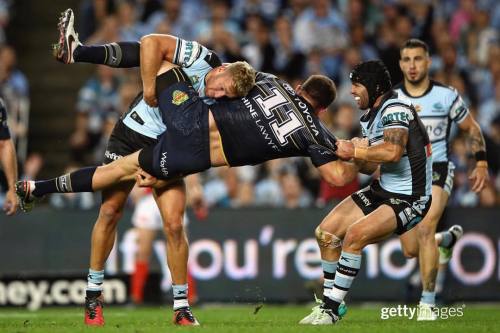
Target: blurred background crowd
292	39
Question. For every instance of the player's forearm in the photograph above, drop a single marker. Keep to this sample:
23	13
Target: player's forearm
9	161
151	59
476	138
382	153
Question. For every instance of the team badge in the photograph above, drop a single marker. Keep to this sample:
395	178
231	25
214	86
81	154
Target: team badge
435	176
179	97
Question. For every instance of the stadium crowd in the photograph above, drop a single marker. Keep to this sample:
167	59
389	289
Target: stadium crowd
292	39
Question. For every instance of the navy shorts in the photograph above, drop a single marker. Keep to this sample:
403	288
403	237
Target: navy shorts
125	141
184	148
409	211
443	174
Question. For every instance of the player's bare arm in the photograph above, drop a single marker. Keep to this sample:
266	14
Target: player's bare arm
390	150
9	165
155	49
479	176
338	173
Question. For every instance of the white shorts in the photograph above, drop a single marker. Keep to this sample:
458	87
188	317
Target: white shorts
147	215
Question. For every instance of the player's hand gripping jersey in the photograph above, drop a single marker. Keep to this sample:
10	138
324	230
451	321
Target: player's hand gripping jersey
438	107
271	122
411	175
196	61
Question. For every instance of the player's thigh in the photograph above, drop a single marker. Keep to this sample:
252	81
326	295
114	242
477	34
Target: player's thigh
431	219
171	201
372	228
341	217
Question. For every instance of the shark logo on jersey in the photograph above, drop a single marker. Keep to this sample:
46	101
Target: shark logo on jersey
179	97
437	107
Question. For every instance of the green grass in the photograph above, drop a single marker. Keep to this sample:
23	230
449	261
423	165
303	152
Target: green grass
241	319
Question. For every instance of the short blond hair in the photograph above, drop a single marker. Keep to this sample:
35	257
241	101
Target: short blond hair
243	76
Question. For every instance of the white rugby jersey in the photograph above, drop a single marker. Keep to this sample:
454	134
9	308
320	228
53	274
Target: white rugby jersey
196	61
412	174
437	108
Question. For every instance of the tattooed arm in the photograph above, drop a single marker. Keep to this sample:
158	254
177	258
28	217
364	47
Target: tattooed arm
479	176
390	150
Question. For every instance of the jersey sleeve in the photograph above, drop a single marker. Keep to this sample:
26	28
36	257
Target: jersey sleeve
458	109
4	129
188	52
396	116
321	155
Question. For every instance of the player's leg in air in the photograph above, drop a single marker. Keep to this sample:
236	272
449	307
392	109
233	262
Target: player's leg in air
69	49
423	242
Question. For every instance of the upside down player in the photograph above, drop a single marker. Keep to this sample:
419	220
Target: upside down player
395	139
438	106
138	128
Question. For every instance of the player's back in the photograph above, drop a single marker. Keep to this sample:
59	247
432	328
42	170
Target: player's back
272	121
437	107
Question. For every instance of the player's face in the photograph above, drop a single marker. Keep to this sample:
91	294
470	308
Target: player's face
360	95
219	85
414	64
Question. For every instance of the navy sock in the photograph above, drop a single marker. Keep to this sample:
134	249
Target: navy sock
77	181
120	55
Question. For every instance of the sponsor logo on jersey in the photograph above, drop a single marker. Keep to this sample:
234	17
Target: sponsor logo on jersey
179	97
112	156
194	79
363	198
395	117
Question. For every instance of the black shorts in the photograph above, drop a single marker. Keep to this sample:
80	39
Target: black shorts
443	174
409	211
184	148
125	141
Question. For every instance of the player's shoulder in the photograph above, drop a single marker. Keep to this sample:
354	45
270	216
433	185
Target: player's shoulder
262	77
395	99
444	91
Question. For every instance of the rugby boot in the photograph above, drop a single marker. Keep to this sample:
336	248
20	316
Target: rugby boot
325	317
24	191
446	253
68	38
184	317
316	312
93	311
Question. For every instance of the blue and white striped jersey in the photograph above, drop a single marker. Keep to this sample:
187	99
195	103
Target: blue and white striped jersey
412	174
196	61
437	108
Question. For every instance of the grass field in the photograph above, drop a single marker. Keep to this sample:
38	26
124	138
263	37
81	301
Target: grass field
241	319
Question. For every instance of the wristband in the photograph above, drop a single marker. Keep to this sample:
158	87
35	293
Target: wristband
360	153
480	155
481	164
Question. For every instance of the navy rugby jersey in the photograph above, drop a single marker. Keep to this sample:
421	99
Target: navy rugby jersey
271	122
196	61
4	129
411	175
438	107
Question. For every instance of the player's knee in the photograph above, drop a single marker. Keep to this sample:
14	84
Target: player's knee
110	212
326	239
426	232
173	226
